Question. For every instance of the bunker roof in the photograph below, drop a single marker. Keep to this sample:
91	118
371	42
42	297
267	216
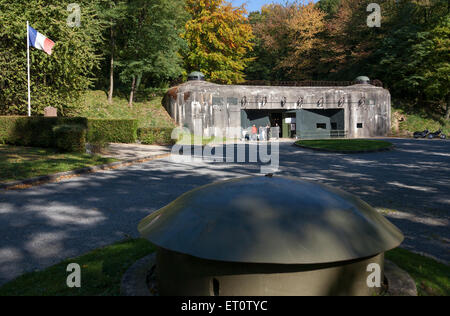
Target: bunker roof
209	87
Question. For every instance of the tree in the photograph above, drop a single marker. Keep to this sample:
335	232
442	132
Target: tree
219	37
263	61
414	55
56	80
330	7
304	26
114	13
151	43
350	41
271	42
289	34
434	53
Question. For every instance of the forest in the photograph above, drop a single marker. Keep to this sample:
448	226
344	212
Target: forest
138	48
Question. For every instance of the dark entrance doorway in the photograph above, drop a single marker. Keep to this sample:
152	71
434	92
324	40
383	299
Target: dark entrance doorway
276	119
290	124
285	120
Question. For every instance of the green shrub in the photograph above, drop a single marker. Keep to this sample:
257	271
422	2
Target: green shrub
70	138
98	143
6	129
156	136
112	131
33	131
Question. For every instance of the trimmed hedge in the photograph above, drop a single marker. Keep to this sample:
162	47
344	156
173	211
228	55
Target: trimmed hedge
112	131
71	134
70	138
156	136
34	131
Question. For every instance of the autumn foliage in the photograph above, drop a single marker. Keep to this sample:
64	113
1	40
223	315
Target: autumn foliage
137	47
219	38
290	34
331	40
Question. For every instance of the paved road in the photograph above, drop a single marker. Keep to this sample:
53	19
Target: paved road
44	225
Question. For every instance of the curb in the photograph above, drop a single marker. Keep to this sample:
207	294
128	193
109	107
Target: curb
27	183
347	152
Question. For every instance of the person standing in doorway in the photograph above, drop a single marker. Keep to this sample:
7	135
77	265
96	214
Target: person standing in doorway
262	134
268	132
254	133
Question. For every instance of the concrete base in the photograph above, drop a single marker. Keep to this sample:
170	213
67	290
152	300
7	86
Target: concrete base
400	282
135	280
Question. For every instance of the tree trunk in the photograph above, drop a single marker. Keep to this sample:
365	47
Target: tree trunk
111	74
133	87
447	112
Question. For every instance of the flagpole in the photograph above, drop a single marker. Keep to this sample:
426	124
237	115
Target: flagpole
28	61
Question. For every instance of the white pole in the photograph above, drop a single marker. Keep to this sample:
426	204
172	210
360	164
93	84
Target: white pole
28	60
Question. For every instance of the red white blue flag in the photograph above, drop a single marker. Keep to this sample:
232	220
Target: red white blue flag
40	41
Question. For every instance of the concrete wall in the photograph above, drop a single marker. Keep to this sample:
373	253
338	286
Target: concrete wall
212	108
308	119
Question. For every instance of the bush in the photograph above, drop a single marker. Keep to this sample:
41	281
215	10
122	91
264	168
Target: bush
97	143
70	138
156	136
34	131
112	131
6	129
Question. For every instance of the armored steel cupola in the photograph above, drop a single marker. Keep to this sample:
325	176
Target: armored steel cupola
196	76
363	80
267	236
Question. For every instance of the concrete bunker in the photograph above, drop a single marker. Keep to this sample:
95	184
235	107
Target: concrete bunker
268	236
356	111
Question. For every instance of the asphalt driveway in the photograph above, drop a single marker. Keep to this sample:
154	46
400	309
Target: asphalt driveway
44	225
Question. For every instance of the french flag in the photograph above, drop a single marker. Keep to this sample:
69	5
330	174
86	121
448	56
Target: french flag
40	41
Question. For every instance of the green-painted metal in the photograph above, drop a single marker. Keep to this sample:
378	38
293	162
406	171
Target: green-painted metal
274	220
285	127
196	75
363	79
182	275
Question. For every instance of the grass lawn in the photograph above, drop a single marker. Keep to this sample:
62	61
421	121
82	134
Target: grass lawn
19	163
102	270
149	113
345	144
432	278
101	273
415	122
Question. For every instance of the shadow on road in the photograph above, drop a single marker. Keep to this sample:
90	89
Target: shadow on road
44	225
